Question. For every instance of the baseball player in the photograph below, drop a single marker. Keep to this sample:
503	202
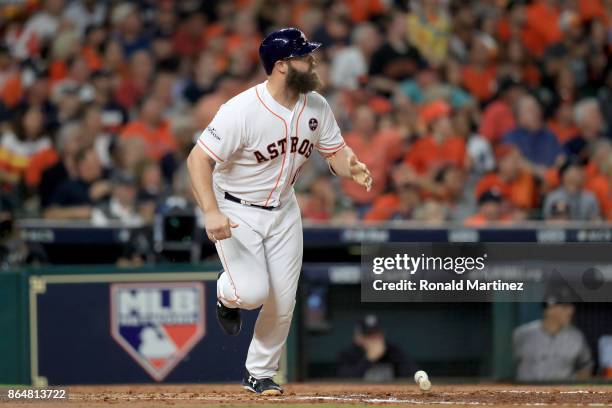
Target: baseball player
242	172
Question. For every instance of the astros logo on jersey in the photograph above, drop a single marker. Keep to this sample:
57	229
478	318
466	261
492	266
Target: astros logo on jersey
157	323
312	124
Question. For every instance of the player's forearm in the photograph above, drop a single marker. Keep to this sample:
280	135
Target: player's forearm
200	172
339	162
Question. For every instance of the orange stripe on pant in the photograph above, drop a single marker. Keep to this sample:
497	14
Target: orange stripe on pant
230	278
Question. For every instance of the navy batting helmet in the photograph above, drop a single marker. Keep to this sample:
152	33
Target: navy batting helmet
284	43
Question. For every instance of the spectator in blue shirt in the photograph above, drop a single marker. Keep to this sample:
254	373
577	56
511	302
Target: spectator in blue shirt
128	29
73	199
537	143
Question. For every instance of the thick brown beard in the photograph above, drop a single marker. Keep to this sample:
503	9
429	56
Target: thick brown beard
303	82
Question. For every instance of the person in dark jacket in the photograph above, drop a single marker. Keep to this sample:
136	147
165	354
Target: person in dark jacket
371	357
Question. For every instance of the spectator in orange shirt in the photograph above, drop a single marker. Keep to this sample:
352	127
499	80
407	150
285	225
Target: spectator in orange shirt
64	50
479	74
10	79
514	182
498	117
398	204
95	37
600	151
430	153
597	174
320	204
591	9
512	24
542	25
152	129
518	64
562	124
361	10
245	38
378	149
490	210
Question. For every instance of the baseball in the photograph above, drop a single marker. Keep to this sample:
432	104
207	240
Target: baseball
422	379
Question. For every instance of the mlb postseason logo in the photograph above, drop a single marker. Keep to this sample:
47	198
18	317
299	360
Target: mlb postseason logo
157	323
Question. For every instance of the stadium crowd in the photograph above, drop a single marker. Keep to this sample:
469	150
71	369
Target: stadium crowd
474	112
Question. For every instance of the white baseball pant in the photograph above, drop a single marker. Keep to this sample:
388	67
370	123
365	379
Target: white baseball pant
262	262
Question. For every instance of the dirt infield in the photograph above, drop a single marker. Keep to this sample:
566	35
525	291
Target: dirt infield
333	394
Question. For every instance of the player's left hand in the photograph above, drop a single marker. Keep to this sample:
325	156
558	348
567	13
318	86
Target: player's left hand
359	172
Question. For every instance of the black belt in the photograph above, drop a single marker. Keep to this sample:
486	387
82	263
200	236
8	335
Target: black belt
230	197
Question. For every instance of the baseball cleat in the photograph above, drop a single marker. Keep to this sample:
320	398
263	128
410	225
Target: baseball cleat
263	386
229	319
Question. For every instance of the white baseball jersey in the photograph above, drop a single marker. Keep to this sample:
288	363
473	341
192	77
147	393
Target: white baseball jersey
260	145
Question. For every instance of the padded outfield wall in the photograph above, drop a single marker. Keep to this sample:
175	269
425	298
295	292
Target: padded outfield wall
101	325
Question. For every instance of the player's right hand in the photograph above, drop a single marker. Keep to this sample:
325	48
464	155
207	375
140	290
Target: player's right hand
218	226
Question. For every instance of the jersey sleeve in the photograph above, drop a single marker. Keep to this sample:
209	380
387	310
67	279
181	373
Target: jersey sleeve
330	140
222	137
